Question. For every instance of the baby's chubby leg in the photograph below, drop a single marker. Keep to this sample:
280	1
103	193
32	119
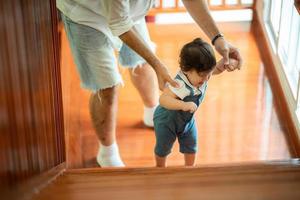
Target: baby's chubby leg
189	159
164	143
160	161
164	135
188	145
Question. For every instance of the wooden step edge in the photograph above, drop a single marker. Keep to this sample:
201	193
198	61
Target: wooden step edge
272	164
29	187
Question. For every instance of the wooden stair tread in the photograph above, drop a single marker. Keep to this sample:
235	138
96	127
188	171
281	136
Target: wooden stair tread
259	180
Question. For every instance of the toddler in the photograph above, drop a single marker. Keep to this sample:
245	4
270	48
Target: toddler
173	118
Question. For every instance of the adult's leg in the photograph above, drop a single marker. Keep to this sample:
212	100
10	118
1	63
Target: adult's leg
145	81
142	74
96	64
103	110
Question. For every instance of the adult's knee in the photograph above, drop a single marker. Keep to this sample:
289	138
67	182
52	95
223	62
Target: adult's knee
108	96
141	68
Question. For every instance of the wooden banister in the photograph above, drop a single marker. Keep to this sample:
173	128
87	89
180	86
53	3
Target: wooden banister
177	8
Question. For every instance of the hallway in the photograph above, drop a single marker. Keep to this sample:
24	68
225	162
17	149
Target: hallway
237	121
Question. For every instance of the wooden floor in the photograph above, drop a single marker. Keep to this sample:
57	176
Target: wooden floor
259	181
237	121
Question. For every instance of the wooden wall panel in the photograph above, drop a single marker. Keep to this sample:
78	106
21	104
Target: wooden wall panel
31	118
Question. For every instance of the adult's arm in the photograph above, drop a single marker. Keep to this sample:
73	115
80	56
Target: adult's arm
122	26
199	11
134	41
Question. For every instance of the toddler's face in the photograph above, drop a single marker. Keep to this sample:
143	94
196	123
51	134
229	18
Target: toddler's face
198	78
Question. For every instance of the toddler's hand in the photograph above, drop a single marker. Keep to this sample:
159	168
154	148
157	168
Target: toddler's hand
189	107
233	63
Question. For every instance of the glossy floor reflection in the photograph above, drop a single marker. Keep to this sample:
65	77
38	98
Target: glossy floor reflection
237	121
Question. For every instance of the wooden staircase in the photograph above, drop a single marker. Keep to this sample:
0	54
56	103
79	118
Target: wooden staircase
260	180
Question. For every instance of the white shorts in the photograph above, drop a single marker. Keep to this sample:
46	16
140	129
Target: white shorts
94	54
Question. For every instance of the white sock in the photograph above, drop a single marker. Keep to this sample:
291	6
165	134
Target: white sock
108	156
148	116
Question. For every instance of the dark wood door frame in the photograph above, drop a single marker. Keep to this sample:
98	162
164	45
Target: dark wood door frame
31	115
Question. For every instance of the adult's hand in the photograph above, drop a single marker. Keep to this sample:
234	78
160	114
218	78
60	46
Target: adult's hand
133	40
228	51
164	77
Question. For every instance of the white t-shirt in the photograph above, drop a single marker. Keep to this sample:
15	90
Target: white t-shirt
112	17
182	91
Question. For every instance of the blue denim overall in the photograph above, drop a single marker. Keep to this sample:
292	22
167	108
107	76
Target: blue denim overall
169	124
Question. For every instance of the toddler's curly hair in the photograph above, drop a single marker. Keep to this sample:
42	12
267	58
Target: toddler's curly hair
197	55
